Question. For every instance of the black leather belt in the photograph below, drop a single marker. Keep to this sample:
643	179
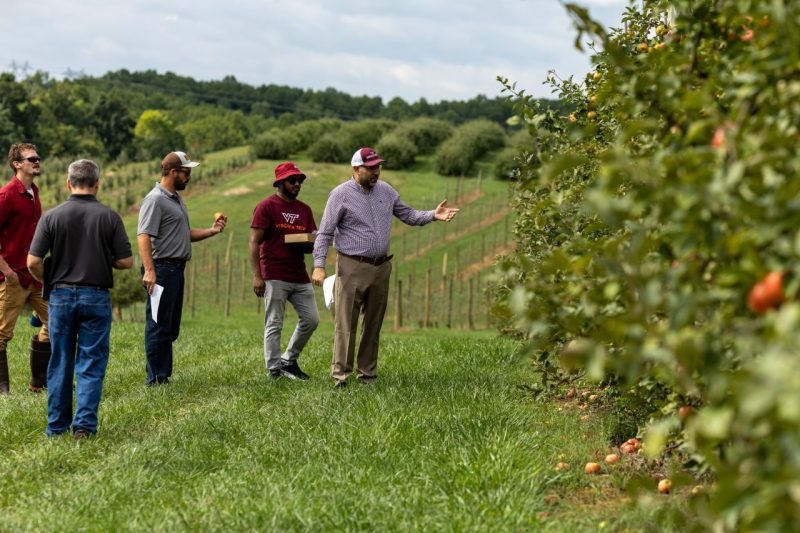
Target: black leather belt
74	286
377	261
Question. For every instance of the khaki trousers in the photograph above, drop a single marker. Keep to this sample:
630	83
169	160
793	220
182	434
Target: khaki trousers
13	298
360	290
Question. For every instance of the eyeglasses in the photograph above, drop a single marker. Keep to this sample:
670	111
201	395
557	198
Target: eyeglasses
295	181
32	159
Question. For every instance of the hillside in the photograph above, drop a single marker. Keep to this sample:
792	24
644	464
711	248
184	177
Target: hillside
456	254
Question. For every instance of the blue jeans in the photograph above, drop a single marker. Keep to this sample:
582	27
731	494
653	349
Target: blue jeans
301	296
80	324
159	336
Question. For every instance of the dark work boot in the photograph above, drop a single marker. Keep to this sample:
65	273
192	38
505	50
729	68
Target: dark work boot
3	372
40	358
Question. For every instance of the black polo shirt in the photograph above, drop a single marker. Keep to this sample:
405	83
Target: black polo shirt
84	237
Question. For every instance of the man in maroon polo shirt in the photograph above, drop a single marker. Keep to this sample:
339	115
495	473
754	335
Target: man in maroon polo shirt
20	210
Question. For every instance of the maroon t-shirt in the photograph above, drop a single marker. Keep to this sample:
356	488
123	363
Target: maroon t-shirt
277	217
19	214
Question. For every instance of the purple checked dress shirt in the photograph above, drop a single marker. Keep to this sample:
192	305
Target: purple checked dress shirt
359	222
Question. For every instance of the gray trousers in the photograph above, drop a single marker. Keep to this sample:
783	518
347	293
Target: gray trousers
301	296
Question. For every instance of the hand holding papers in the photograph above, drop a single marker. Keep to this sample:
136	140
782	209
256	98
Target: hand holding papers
327	290
155	299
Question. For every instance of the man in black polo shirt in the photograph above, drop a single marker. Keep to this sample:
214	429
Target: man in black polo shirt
165	239
85	240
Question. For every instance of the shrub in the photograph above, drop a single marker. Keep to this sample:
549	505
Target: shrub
303	134
508	161
366	132
506	164
331	148
454	157
469	142
398	150
426	133
271	145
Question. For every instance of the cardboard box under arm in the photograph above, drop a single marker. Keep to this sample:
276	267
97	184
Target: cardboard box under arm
299	238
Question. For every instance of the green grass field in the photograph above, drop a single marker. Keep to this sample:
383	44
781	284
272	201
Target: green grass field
445	441
449	439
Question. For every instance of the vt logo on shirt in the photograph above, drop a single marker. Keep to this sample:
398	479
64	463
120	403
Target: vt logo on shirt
290	217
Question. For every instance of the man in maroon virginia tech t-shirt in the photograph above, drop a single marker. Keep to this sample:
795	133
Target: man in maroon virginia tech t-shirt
279	270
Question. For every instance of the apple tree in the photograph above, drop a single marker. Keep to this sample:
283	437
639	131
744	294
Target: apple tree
647	218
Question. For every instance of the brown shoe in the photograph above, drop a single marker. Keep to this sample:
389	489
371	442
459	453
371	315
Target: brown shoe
81	434
340	384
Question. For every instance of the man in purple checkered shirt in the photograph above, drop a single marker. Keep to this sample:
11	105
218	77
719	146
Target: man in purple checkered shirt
358	218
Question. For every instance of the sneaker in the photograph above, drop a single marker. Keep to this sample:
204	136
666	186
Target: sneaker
81	434
274	373
340	384
292	370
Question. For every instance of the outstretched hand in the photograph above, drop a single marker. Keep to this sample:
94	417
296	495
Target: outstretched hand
445	213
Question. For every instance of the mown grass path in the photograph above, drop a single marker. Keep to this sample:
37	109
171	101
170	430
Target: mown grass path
445	441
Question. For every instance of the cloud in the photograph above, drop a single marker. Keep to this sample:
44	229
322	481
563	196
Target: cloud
406	74
413	49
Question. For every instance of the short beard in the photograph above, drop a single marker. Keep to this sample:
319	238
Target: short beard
286	192
179	186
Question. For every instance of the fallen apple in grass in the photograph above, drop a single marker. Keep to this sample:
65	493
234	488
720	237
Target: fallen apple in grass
612	459
592	468
664	486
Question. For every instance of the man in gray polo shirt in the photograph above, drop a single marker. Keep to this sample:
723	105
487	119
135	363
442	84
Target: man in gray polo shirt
165	244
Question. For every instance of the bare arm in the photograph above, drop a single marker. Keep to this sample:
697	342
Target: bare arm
146	256
256	236
35	266
205	233
123	264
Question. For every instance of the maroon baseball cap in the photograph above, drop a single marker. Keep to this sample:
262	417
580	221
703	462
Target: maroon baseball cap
286	170
366	157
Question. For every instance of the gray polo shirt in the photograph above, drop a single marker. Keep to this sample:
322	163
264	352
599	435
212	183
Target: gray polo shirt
164	217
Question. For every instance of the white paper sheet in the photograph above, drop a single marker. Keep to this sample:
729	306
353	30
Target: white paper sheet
155	298
327	290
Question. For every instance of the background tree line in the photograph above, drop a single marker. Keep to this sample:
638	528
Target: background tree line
134	115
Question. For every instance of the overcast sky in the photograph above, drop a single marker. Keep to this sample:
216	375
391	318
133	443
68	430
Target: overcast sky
414	49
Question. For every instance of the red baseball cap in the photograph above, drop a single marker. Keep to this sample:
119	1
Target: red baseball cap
286	170
366	157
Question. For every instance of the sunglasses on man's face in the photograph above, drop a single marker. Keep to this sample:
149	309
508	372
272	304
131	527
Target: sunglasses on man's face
295	181
32	159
